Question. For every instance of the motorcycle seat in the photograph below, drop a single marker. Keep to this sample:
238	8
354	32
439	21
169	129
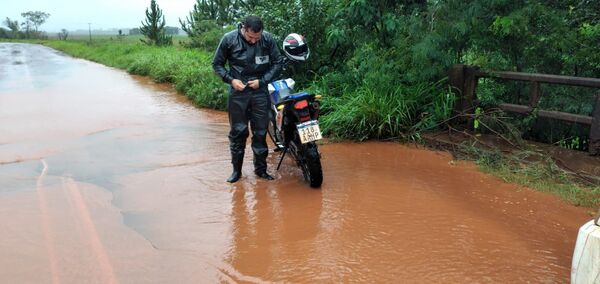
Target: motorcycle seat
296	96
293	97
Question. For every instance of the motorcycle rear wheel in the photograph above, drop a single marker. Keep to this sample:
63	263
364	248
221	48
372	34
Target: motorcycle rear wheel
310	162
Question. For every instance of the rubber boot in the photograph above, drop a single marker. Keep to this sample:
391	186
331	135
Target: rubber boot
264	175
260	167
237	171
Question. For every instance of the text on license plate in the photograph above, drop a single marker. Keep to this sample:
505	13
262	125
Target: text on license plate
309	131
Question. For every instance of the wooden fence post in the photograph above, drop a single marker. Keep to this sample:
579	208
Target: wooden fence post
534	96
456	78
470	89
469	94
464	80
594	146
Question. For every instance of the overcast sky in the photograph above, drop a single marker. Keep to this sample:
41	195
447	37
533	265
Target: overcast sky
102	14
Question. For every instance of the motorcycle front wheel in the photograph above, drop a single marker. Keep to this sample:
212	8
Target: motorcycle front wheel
272	132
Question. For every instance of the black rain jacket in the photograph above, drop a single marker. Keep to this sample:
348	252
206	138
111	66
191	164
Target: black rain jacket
247	62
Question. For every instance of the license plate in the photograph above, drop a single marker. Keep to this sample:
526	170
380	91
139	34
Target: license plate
309	131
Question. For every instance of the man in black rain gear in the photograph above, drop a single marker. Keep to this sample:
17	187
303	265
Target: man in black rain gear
254	61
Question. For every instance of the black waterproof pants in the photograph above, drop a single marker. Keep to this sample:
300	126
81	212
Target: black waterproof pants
249	106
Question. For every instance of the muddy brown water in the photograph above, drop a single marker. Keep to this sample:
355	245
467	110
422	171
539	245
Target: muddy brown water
109	178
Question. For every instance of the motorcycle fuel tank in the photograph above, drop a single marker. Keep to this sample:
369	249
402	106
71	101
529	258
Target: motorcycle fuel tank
280	89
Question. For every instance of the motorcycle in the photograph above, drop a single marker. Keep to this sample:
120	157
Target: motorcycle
294	128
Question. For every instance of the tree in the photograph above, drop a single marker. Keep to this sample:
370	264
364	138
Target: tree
34	19
154	27
120	35
380	18
13	26
63	34
222	12
4	33
310	18
204	25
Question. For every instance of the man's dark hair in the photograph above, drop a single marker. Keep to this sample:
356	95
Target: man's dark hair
253	23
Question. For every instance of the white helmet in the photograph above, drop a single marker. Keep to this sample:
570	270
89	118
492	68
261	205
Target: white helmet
295	47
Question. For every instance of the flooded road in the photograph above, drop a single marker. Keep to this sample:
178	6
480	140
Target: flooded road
109	178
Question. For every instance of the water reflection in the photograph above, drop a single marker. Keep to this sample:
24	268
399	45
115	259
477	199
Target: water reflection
274	230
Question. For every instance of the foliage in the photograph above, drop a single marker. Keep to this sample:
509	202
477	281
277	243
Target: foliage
14	27
64	34
379	18
221	12
203	33
204	24
33	20
208	40
374	109
154	27
28	28
309	18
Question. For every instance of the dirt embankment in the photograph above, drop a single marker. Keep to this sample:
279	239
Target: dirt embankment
581	167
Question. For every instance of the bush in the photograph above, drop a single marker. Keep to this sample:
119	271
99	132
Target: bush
400	112
374	98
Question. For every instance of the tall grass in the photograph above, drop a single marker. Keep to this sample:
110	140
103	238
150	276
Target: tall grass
375	111
189	70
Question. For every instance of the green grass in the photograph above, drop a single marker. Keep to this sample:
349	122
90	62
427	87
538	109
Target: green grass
374	112
177	39
537	172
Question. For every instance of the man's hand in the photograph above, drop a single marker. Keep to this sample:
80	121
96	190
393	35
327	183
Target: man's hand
254	84
238	85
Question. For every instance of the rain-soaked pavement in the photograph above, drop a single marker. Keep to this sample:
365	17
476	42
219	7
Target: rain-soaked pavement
109	178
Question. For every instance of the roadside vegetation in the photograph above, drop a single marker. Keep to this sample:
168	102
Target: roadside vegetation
534	170
381	67
26	29
153	27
